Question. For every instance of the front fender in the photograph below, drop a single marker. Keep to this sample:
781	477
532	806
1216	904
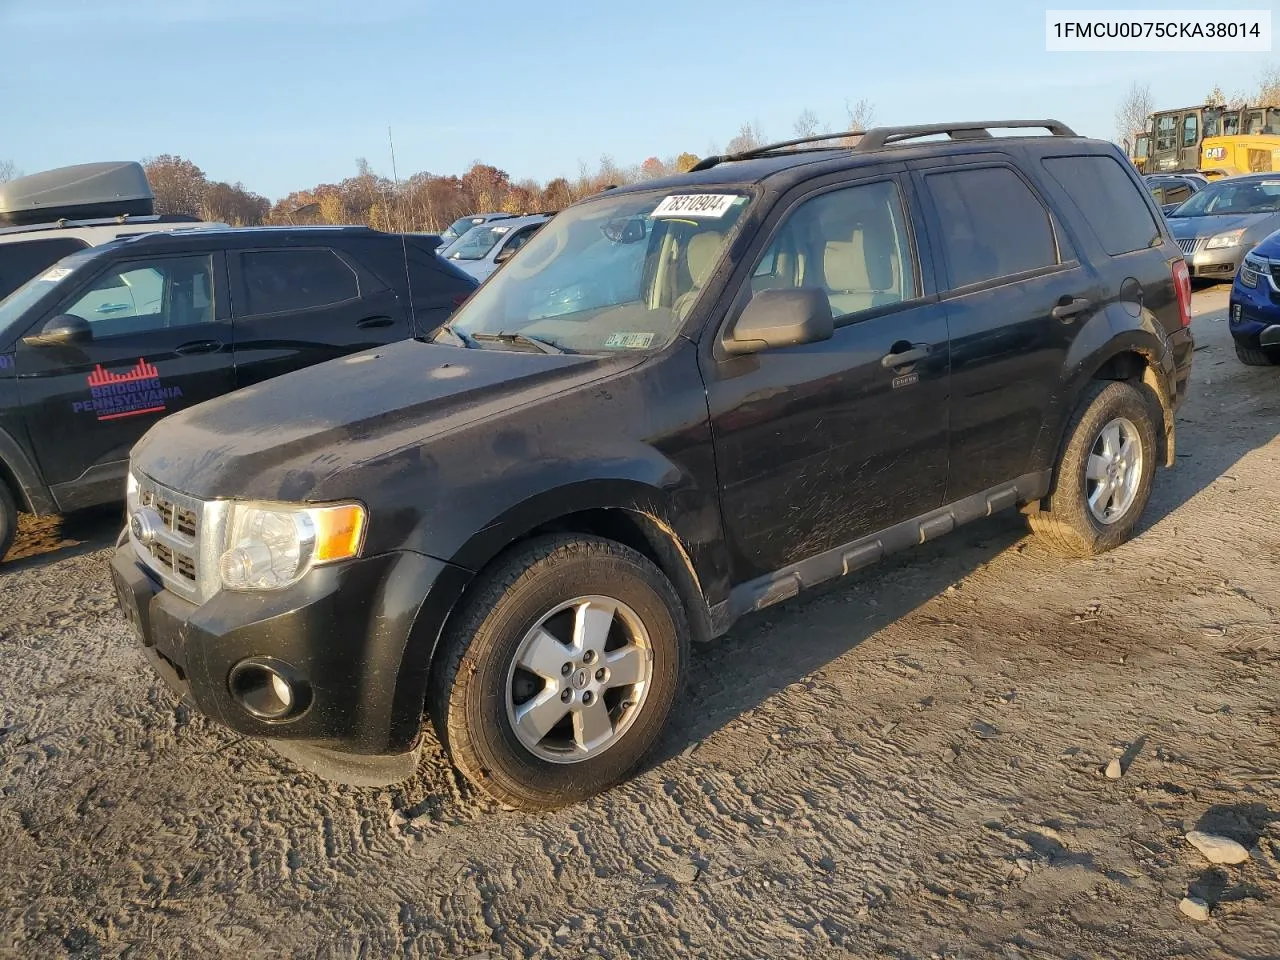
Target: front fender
31	492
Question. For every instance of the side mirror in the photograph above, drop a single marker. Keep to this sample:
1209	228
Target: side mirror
64	330
782	318
505	254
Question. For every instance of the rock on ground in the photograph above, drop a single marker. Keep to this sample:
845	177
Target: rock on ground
1217	849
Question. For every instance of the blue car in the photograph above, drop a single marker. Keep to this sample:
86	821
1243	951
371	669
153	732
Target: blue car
1254	316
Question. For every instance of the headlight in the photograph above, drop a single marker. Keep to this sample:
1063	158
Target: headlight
1229	239
272	545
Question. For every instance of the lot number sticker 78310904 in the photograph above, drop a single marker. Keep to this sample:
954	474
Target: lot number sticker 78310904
708	205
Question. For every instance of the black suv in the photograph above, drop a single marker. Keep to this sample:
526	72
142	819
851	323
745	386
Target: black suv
680	402
99	347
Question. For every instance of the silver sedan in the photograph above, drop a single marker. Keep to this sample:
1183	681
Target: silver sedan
1216	227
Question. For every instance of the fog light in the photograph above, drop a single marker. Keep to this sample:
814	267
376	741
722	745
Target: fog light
266	689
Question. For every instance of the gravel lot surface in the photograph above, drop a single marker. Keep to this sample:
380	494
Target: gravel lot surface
911	764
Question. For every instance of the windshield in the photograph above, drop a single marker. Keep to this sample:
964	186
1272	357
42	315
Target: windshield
476	242
16	305
1227	197
616	273
460	226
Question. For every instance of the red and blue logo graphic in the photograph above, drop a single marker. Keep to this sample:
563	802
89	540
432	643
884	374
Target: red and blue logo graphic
131	394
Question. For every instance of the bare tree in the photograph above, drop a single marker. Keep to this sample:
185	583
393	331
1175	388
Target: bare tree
1269	88
1131	115
1216	98
749	137
8	171
862	115
807	123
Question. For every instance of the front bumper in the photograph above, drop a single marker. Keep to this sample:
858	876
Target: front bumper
359	637
1220	264
1254	312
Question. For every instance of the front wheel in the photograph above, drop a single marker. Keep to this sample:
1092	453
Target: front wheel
557	675
1256	356
1104	475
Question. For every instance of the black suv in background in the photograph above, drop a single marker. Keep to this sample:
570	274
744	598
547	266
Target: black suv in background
680	402
99	347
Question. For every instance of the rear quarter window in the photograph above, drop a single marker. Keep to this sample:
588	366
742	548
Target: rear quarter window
24	259
1110	202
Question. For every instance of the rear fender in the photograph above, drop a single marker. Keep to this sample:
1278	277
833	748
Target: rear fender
1111	347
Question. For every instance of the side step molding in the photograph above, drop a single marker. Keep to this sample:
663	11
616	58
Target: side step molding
841	561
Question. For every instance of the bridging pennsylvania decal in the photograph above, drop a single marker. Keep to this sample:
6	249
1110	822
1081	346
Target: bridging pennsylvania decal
131	394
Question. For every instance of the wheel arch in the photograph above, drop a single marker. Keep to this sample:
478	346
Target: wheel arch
1136	357
22	478
629	512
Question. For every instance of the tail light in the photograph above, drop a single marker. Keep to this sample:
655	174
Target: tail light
1182	286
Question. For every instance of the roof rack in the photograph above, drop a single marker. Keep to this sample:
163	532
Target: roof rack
879	137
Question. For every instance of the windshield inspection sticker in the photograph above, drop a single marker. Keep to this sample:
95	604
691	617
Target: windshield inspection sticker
709	205
629	341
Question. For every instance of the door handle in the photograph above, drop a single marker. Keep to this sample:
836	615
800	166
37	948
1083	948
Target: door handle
1068	309
199	346
904	357
369	323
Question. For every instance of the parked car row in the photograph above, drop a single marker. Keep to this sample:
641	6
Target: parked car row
1229	229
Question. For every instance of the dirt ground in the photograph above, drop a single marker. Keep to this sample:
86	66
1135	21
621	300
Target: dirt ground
908	765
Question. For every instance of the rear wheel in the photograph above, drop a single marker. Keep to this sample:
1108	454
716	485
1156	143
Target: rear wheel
1257	356
8	519
1103	480
557	676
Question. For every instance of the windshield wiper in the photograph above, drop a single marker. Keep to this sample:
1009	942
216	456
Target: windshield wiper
542	345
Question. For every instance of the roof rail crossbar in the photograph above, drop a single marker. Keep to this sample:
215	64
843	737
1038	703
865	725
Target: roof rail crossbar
880	137
706	163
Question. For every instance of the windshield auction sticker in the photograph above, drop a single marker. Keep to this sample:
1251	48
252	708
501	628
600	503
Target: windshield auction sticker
708	205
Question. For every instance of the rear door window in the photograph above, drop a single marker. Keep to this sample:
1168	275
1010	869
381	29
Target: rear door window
1114	209
992	225
276	281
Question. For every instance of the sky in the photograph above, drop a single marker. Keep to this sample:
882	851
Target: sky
282	95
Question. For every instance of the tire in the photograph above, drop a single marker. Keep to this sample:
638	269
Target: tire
477	690
1066	520
1256	356
8	520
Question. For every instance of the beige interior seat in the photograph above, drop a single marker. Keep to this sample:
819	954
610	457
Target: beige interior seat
701	253
861	267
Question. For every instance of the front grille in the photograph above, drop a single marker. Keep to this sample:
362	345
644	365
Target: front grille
1190	246
182	552
1275	272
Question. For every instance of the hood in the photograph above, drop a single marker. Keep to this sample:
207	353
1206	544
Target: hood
476	269
1187	228
1269	246
280	438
